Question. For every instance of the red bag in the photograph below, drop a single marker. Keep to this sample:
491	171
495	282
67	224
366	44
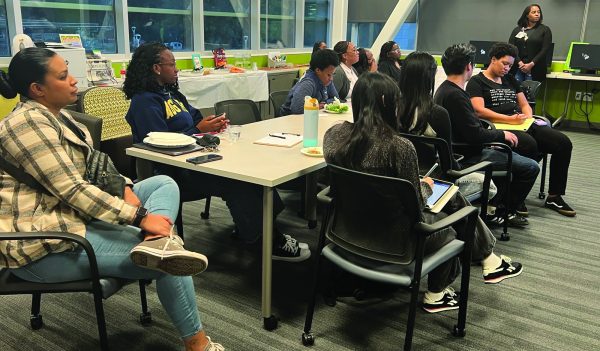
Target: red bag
220	58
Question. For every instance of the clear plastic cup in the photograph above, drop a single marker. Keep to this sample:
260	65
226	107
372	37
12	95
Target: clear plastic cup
234	132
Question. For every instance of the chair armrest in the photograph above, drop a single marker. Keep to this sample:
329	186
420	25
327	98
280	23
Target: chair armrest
79	240
487	124
543	119
323	196
445	222
481	166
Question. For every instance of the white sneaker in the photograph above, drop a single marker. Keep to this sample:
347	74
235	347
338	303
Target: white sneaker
213	346
166	254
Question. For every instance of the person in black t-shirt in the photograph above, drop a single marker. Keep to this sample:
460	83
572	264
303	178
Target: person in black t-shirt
467	128
497	97
533	40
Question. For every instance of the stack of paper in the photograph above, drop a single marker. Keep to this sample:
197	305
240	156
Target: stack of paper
280	139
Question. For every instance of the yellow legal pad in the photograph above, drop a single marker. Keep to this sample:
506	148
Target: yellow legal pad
523	126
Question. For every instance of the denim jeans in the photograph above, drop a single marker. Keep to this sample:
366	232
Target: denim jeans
524	172
112	243
520	76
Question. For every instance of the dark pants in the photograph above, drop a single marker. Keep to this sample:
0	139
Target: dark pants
524	172
244	200
543	139
483	243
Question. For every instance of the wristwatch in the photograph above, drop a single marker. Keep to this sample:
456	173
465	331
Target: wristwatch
139	215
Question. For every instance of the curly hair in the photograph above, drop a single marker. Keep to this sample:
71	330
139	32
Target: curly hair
140	76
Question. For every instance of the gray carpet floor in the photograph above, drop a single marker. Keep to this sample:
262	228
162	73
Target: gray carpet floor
551	306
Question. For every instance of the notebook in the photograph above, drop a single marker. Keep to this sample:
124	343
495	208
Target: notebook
280	139
171	152
524	126
442	193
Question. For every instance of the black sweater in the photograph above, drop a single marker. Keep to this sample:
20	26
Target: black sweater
535	48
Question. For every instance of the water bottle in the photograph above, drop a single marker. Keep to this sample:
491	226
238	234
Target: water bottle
123	71
311	122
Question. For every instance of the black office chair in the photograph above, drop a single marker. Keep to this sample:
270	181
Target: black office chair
530	89
239	111
278	98
431	150
99	287
372	241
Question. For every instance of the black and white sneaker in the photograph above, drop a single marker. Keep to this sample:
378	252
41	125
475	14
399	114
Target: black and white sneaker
290	250
522	210
448	302
559	205
516	220
507	269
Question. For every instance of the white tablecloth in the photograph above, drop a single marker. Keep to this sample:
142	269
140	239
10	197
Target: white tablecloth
202	91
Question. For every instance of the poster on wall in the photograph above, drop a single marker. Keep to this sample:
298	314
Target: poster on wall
72	40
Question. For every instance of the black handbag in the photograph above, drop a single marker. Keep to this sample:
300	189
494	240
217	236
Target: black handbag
100	170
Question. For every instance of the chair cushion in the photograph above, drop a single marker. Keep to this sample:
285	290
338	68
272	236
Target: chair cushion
112	285
387	272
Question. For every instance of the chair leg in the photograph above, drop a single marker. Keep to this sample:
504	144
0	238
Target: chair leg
206	213
179	220
542	194
35	319
465	258
505	236
307	336
412	313
101	321
145	316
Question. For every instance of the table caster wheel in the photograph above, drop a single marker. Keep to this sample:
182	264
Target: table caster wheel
146	318
308	339
270	323
459	332
504	237
36	321
541	196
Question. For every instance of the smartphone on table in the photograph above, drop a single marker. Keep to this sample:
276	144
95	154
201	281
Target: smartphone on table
204	158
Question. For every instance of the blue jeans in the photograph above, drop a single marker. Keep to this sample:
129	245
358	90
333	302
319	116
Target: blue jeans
520	76
112	243
524	172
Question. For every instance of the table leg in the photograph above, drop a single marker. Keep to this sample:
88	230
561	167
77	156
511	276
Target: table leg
269	320
564	114
310	199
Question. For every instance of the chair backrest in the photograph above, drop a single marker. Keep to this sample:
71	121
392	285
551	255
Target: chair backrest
239	111
110	104
373	216
431	150
530	89
277	99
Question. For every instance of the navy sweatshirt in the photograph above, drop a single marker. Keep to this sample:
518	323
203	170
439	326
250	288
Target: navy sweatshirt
311	86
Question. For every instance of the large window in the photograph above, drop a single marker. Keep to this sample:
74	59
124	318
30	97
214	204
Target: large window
165	21
277	24
316	24
4	47
94	20
227	24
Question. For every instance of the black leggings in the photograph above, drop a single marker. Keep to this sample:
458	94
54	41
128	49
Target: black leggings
543	139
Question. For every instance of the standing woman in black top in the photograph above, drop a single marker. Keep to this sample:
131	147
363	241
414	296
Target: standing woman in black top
389	60
533	40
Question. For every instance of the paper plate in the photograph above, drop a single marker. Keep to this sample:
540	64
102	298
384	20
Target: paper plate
168	144
315	151
337	113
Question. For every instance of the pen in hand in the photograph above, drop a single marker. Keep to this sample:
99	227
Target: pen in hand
435	165
277	136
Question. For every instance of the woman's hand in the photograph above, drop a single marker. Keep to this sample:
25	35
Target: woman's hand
428	181
212	123
156	225
517	118
526	68
130	197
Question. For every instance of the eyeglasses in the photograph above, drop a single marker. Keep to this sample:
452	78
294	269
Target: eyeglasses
170	64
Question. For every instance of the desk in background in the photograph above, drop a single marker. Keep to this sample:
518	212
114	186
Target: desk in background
267	166
570	77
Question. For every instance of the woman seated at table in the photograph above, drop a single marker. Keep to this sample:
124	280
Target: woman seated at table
366	62
389	60
157	105
316	83
371	144
497	97
345	75
52	194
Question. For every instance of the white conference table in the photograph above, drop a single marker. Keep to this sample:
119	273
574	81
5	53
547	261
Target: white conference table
202	91
267	166
570	77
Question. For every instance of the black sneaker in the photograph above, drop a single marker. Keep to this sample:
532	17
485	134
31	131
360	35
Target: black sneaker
494	220
522	210
290	250
507	269
516	220
448	302
559	205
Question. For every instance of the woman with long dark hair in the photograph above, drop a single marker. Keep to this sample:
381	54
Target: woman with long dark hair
366	62
51	148
371	144
533	40
389	60
157	105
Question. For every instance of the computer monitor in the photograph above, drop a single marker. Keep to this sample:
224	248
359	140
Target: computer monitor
482	52
586	58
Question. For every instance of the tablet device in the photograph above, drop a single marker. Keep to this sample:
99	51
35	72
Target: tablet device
442	193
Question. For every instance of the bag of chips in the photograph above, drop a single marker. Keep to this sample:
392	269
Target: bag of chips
220	58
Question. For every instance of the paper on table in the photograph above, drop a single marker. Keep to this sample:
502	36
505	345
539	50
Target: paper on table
523	126
281	139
